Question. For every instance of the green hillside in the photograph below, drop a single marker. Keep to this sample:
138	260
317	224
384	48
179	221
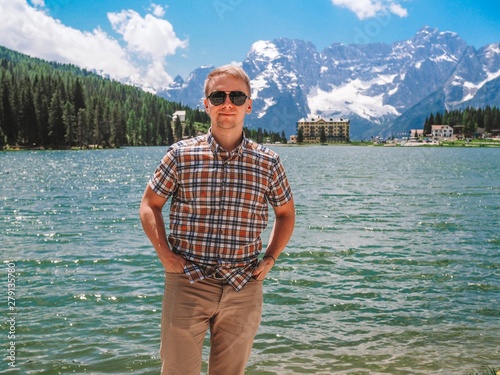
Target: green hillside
51	105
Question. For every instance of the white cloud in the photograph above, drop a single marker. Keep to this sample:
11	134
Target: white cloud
157	10
149	35
398	10
371	8
148	41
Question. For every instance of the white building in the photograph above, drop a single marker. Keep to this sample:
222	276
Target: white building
180	114
440	132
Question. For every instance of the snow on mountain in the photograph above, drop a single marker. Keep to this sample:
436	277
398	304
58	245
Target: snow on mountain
265	49
351	98
375	85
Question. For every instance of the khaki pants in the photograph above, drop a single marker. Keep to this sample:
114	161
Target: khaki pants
189	310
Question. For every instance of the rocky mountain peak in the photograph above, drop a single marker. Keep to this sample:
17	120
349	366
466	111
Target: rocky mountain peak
374	85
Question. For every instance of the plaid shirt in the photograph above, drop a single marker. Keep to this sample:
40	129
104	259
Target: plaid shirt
219	204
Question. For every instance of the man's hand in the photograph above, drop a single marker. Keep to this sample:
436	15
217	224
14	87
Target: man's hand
174	263
263	269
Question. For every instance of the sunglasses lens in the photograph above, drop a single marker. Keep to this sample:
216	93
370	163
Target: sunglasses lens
237	97
217	97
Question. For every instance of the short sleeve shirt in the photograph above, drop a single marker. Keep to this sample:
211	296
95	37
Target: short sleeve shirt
219	204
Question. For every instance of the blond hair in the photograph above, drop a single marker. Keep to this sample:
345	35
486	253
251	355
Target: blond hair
230	70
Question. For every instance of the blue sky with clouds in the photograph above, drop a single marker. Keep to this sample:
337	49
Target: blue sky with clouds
156	40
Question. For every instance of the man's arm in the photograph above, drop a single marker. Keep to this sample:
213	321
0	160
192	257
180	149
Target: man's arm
280	235
153	224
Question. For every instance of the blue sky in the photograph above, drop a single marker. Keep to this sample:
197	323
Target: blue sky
156	40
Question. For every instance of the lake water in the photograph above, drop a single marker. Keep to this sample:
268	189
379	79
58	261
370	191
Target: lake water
394	266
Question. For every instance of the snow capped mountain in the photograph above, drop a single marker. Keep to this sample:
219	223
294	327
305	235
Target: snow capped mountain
376	86
475	69
189	92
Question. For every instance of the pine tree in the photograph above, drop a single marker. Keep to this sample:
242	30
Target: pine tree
169	132
56	123
78	98
468	122
8	119
81	125
439	119
322	135
283	137
488	119
300	136
427	126
431	120
97	123
260	136
178	128
132	128
69	123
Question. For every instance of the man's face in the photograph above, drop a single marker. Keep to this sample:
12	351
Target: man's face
227	115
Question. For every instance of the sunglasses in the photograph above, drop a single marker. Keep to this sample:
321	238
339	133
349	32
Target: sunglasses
218	97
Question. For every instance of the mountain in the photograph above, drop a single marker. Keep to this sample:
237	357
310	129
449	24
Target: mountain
383	89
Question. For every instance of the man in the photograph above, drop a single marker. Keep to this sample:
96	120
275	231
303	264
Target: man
220	186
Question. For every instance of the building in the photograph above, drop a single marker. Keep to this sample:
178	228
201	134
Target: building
417	133
180	114
336	130
440	132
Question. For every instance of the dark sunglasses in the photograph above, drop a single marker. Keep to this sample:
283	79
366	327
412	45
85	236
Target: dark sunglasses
218	97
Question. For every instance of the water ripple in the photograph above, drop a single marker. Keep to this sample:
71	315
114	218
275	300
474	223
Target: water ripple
393	267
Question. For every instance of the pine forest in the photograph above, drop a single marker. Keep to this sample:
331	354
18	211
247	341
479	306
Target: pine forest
51	105
472	119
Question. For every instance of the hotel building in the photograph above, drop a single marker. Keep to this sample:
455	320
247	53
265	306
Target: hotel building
336	130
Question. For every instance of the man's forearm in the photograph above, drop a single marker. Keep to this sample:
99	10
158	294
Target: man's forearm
281	234
154	227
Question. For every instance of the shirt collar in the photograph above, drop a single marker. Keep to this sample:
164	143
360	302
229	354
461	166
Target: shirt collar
214	146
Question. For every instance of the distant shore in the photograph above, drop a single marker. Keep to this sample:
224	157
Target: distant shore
455	143
458	143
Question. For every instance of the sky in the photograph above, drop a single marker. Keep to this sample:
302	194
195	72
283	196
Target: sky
154	41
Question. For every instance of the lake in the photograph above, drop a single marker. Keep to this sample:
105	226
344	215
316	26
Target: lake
393	268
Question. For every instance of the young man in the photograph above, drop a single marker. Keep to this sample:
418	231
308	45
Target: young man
220	186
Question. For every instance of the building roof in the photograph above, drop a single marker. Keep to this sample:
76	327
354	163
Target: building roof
319	119
438	127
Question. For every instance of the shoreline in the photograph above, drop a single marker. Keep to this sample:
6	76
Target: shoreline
448	144
489	144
